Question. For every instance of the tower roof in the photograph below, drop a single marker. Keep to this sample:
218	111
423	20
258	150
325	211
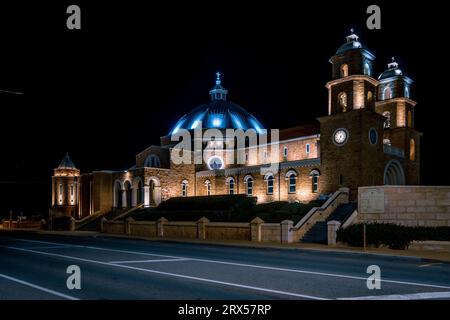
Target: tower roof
392	71
66	163
351	44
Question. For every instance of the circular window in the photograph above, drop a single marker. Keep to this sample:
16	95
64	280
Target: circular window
215	163
373	136
340	136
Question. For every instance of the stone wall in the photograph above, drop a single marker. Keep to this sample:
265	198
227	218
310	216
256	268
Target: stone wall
405	205
203	229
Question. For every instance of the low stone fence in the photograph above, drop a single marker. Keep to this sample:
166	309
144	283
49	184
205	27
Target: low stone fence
12	224
405	205
257	230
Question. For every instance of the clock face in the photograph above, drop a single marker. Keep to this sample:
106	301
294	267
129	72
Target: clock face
340	136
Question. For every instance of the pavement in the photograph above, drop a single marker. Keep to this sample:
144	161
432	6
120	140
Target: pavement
33	265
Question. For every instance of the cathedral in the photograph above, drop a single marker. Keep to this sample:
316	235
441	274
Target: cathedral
366	139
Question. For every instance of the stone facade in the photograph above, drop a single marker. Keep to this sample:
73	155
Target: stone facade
407	205
367	138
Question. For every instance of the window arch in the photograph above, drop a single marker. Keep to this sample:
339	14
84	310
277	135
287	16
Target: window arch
315	180
152	161
369	96
231	185
208	187
387	93
291	177
184	188
344	70
248	181
127	194
342	101
387	122
367	69
409	118
270	182
412	150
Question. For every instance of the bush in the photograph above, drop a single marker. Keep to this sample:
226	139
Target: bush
234	208
390	235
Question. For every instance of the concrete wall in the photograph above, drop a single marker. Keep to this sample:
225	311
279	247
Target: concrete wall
407	205
256	230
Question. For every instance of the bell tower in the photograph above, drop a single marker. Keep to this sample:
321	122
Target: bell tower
351	134
65	189
400	137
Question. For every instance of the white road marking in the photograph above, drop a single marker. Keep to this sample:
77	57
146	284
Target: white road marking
412	296
176	275
51	247
146	261
430	264
268	268
59	294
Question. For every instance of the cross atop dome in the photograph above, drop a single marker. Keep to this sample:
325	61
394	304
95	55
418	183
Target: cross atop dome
393	64
218	92
352	36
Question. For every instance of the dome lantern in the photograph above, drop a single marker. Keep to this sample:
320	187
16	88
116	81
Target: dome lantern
218	92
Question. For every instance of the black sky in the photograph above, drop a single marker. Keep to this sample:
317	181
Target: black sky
112	89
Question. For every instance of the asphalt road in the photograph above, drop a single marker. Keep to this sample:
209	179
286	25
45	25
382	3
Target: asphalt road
34	267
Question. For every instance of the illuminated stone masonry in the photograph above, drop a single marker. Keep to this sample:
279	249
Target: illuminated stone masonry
366	139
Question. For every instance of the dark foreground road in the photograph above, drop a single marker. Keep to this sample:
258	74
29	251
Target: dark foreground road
34	267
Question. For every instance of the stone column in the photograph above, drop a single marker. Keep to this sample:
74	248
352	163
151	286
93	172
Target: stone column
124	198
103	222
255	229
128	223
286	233
72	224
332	228
146	196
160	226
201	228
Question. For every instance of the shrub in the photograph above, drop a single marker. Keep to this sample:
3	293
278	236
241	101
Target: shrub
390	235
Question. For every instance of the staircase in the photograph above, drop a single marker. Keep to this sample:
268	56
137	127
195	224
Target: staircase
319	232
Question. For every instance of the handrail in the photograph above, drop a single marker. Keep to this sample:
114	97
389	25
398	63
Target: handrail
139	206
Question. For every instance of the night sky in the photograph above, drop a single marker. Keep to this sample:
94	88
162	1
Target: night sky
107	92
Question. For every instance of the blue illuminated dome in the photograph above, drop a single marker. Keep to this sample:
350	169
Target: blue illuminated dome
218	113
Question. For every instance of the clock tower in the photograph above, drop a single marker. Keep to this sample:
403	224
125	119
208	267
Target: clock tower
351	136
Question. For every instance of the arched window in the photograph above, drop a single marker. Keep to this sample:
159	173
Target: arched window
248	180
208	187
184	188
387	122
367	69
152	161
60	196
269	180
412	150
127	188
230	182
285	152
291	177
117	194
387	93
342	101
409	119
406	91
308	148
344	70
315	180
369	96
